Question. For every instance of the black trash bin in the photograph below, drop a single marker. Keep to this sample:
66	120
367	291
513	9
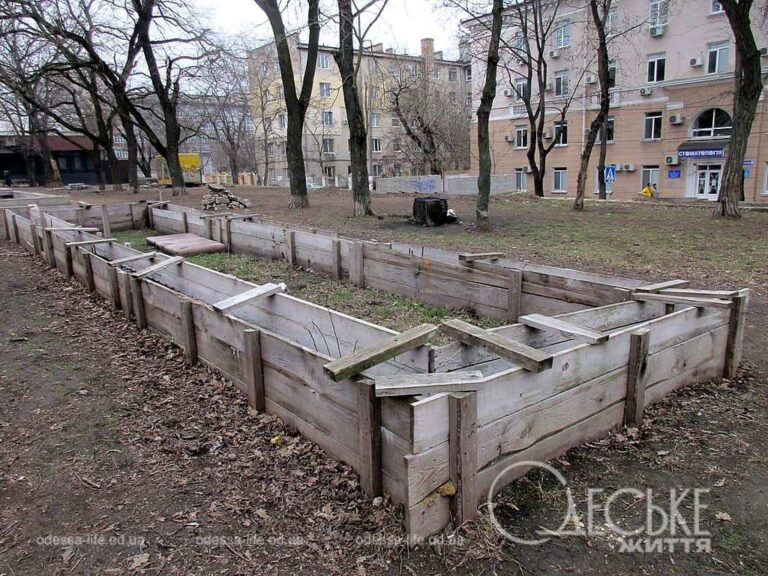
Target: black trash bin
430	211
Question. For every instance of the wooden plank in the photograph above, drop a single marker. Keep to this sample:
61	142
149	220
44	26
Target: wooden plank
290	247
336	254
694	293
184	223
157	267
386	349
138	302
151	216
514	295
356	264
88	266
114	288
105	226
126	299
432	383
639	344
254	370
188	331
663	285
736	323
70	228
35	239
262	291
15	227
695	302
84	204
562	327
48	239
369	439
463	455
517	352
133	258
469	257
68	268
91	242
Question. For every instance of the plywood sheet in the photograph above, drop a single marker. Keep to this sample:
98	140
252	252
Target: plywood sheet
185	244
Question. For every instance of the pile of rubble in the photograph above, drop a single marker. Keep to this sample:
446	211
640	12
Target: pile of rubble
219	197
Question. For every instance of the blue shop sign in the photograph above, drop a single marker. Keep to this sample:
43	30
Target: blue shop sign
672	174
702	153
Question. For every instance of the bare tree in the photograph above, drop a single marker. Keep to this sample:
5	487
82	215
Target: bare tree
266	104
747	87
295	104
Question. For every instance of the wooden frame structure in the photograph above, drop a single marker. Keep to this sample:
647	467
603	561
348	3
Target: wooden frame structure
474	407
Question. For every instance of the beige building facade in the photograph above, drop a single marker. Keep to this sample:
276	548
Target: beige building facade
670	117
326	135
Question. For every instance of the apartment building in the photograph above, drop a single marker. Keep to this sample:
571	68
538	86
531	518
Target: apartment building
326	135
671	70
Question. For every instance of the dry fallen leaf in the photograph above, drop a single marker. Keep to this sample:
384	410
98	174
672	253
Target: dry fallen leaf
139	561
724	517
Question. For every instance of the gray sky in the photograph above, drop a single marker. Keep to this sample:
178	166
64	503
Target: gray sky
403	24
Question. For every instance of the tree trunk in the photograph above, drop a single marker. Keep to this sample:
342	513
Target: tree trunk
98	167
358	135
114	168
133	154
295	159
747	88
175	171
29	166
602	192
234	168
483	120
597	126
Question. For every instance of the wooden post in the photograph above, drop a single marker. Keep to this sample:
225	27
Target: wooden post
188	330
135	220
105	227
48	238
254	370
114	288
209	228
150	217
634	405
369	438
357	264
514	295
734	345
15	226
138	303
290	247
68	262
4	214
126	302
462	448
35	239
184	222
88	266
80	216
336	255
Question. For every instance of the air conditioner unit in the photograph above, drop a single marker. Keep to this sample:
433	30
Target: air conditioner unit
508	92
629	167
672	160
527	169
676	119
696	62
763	52
345	122
547	135
590	79
646	91
509	138
554	53
657	31
619	167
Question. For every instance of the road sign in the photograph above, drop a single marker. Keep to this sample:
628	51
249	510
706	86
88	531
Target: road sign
610	174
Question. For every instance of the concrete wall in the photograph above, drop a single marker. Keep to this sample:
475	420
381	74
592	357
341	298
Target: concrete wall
467	185
410	185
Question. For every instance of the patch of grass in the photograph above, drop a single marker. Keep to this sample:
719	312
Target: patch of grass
137	238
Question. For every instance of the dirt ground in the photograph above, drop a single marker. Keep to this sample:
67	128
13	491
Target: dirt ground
115	457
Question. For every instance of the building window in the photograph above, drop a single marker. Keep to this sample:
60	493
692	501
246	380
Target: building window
561	83
329	171
521	89
377	172
765	187
393	69
452	75
395	122
520	183
372	64
323	61
271	149
561	133
521	137
610	21
329	146
612	74
659	13
375	119
468	74
561	180
281	92
374	93
717	59
657	65
282	121
436	73
376	144
717	8
325	89
610	127
328	118
652	126
650	175
396	146
712	123
563	34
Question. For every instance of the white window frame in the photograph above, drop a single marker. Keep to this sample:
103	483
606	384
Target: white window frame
655	59
329	146
376	145
453	75
327	118
652	118
612	139
610	21
468	74
323	61
658	15
722	51
396	122
560	174
325	89
521	136
765	181
375	119
716	8
646	174
521	183
561	83
282	121
377	171
521	88
563	34
559	132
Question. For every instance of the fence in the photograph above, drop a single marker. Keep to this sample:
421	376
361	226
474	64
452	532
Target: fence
541	388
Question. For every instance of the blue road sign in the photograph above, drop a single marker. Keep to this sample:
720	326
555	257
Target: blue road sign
610	174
